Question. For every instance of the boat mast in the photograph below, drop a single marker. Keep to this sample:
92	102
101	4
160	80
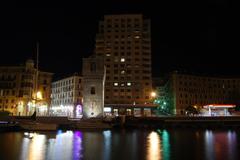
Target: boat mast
36	85
37	67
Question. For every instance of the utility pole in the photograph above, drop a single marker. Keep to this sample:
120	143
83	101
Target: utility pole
37	68
36	85
3	100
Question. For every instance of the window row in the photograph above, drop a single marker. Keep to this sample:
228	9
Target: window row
64	83
7	100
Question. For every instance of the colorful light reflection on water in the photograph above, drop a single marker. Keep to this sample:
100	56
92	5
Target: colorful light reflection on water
219	145
66	145
121	144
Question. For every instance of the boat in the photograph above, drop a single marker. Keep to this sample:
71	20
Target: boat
28	135
90	125
34	126
9	126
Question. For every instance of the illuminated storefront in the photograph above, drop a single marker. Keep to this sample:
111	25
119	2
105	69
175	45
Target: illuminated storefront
218	109
136	110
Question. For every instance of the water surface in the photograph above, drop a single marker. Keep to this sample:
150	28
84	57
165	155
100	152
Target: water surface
136	144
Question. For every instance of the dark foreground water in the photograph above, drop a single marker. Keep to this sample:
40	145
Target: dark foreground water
122	145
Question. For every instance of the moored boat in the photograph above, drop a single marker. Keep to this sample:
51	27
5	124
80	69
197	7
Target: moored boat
33	126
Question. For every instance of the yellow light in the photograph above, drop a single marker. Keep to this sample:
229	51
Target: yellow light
153	94
154	147
29	103
20	103
39	95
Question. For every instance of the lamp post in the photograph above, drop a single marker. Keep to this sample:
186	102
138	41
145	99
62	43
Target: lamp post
3	100
38	99
153	94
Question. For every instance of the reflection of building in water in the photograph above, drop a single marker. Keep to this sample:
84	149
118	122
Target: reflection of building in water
165	145
34	148
67	97
154	147
219	144
107	144
66	145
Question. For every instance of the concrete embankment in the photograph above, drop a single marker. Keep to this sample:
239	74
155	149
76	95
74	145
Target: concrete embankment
62	122
137	122
183	122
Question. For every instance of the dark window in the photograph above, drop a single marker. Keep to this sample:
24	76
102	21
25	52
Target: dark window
93	67
92	90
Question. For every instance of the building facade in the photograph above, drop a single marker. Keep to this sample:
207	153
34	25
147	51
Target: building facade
183	90
125	43
93	86
66	98
21	92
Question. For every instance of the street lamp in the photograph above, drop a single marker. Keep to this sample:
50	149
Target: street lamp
39	95
153	94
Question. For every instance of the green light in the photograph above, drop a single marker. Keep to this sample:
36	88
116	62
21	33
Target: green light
166	144
159	131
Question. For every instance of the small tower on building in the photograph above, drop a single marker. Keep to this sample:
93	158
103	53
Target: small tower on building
93	71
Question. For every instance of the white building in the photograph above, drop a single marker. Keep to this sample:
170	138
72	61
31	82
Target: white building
66	98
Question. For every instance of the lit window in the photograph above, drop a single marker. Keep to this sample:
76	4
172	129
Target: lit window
122	59
115	84
122	84
107	109
137	37
129	83
123	72
108	54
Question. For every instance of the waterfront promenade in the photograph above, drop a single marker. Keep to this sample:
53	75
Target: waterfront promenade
184	121
137	122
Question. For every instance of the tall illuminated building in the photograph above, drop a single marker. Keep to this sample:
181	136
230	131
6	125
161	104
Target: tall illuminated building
125	43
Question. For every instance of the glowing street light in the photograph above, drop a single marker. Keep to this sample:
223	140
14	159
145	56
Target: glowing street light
153	94
39	95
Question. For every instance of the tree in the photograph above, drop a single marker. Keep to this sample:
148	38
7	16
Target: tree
162	107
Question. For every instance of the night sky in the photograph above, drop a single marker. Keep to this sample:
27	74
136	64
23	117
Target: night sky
193	36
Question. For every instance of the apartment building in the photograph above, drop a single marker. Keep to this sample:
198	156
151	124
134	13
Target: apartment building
66	98
125	43
21	92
